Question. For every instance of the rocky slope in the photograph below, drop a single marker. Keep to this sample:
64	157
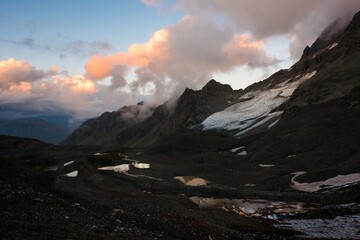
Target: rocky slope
105	129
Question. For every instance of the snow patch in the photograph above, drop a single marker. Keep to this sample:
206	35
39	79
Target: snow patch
236	149
101	154
254	108
191	181
266	165
141	165
68	163
274	123
122	168
72	174
333	46
338	181
243	153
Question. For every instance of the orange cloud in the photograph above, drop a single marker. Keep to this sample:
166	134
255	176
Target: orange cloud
76	84
138	55
242	49
21	87
99	67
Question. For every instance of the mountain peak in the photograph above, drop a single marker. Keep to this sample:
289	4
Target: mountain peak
214	86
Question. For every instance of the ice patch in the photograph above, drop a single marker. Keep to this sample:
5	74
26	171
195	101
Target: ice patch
338	181
72	174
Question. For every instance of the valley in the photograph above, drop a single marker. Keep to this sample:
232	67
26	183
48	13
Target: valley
276	160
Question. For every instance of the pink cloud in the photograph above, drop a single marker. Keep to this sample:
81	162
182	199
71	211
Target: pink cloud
183	55
25	88
17	73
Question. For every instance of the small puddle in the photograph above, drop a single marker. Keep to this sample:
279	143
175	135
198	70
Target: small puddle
251	207
191	181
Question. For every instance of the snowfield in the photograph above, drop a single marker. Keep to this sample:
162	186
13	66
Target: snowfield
254	108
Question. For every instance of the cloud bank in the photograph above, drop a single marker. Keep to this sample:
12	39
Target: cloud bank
24	89
301	20
182	55
213	36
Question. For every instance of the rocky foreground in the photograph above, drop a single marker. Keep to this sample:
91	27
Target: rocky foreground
55	192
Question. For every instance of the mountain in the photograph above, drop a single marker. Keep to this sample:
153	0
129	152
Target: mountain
277	160
326	71
106	128
189	110
34	128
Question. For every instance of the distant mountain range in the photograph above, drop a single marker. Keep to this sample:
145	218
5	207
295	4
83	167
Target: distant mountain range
34	128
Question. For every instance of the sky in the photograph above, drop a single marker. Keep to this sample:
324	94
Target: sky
81	58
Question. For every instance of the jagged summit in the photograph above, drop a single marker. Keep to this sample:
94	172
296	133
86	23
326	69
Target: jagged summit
214	86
